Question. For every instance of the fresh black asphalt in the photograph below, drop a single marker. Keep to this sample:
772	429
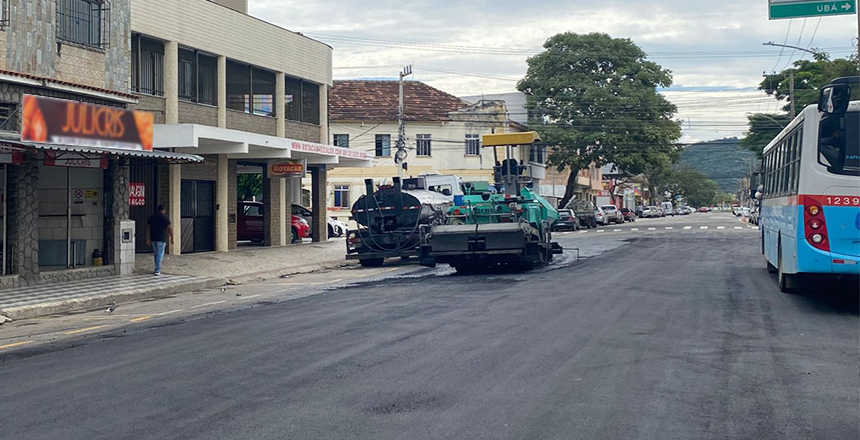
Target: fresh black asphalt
667	337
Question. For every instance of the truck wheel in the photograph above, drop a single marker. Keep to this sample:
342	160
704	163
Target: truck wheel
372	262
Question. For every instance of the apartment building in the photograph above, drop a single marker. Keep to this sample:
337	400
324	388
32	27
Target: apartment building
66	140
246	95
443	135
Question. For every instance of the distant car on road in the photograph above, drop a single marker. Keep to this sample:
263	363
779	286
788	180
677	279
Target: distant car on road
585	212
657	212
613	214
629	215
704	209
567	221
600	216
336	228
745	212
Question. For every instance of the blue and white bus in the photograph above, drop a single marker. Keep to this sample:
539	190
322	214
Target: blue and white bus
810	192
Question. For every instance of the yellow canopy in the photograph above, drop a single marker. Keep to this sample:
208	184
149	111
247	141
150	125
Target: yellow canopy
502	139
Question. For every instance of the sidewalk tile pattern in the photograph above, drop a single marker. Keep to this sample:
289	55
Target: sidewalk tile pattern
58	292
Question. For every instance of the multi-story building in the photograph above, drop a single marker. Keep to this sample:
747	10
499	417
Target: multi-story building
443	135
244	94
64	176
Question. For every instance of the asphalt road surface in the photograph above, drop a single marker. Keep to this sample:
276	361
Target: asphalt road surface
680	334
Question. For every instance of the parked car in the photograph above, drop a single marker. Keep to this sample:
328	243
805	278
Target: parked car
685	210
585	212
600	216
629	215
657	212
567	221
704	209
745	212
336	228
612	214
250	220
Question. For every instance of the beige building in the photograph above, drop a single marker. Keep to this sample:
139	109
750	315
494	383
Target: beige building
443	135
244	94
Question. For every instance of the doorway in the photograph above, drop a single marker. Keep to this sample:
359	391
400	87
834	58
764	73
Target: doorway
143	184
198	216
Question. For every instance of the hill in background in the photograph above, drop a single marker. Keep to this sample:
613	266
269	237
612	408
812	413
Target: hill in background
724	161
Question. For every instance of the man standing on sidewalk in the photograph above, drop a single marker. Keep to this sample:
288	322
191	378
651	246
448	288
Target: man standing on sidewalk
159	230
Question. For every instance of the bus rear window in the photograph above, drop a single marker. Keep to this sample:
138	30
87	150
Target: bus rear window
839	146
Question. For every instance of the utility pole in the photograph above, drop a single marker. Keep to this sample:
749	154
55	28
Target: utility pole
401	153
791	94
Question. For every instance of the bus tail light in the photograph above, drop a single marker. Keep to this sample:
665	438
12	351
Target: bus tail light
815	225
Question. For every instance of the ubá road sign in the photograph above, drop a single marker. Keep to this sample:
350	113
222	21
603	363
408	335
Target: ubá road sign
781	10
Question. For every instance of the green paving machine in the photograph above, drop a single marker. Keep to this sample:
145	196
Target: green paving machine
501	226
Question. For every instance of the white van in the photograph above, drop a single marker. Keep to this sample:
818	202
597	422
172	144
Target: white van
667	208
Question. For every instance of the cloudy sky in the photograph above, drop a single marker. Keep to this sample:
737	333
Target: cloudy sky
472	47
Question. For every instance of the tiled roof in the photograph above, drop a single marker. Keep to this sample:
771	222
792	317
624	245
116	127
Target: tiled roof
377	101
45	79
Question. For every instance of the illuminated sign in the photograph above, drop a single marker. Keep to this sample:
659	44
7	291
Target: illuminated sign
136	194
58	121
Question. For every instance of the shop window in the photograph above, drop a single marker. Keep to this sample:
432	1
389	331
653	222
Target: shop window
147	66
84	22
383	145
341	140
341	196
473	145
423	145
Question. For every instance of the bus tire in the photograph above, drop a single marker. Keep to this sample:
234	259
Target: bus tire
787	283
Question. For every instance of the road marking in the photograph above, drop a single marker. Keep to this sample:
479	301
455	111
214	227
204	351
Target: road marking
652	229
669	228
15	344
721	227
616	230
141	318
600	230
634	229
738	227
86	329
687	228
704	227
168	313
583	232
249	297
208	304
334	281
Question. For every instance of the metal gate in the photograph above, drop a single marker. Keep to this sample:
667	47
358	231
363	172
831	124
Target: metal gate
143	173
198	216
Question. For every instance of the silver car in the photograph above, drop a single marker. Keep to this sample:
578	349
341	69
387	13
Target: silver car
611	214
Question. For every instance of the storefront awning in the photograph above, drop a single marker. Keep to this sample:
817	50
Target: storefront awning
158	155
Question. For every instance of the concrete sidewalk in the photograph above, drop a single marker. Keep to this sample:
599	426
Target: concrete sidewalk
50	299
252	262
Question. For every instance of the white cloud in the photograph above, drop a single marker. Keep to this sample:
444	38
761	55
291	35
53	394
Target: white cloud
675	33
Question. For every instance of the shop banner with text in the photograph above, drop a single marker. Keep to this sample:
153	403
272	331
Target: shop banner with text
58	121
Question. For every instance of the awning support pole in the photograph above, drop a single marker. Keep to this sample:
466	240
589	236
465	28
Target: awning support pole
68	218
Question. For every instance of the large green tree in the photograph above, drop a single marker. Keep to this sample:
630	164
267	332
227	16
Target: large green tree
686	181
594	100
809	77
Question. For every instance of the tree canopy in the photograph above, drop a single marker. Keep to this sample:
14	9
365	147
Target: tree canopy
594	100
809	77
686	181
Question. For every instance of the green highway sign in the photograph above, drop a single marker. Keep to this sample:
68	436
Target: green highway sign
781	10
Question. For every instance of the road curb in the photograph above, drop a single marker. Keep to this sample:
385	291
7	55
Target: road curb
292	270
77	304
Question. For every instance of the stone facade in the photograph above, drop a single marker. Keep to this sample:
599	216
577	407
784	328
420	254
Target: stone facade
33	25
191	113
24	221
302	131
252	123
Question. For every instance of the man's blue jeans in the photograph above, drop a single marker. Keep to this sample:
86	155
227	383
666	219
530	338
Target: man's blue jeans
158	250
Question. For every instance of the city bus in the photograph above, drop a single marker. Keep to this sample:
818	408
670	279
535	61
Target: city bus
810	191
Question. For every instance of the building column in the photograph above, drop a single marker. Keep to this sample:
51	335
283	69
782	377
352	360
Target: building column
287	203
284	215
171	82
324	114
222	91
23	214
274	218
174	210
222	205
281	104
319	194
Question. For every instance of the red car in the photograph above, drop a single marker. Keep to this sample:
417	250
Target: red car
629	216
249	223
